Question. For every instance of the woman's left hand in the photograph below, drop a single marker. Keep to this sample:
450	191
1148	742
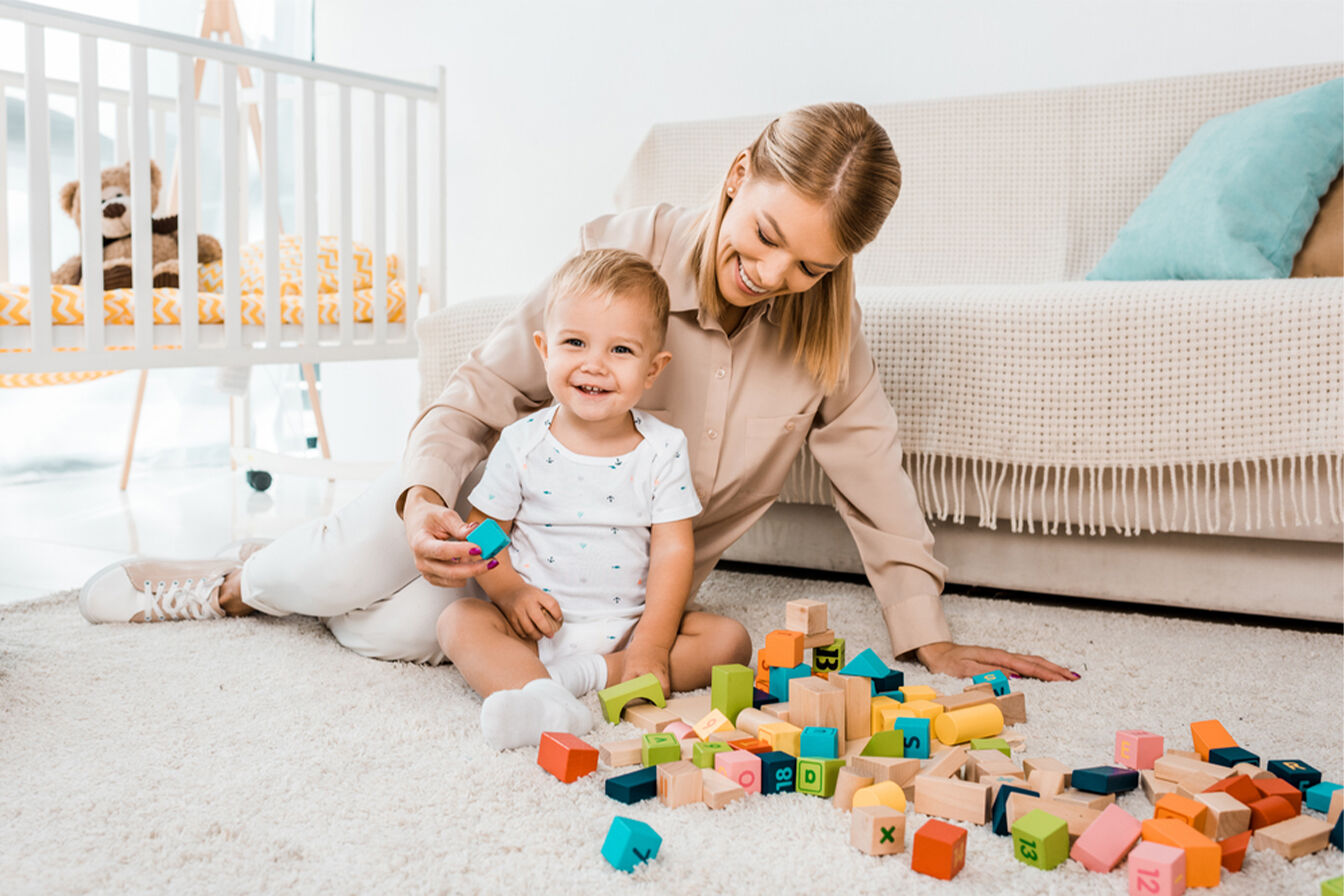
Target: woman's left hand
965	660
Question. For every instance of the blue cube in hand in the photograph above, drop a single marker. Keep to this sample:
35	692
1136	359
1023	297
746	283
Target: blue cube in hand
489	538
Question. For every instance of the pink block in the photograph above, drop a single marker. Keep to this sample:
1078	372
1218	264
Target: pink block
681	730
1106	841
740	767
1156	870
1137	749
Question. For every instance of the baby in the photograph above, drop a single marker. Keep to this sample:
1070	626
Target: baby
598	500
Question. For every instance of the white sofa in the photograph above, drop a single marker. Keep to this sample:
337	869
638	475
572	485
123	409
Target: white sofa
1172	442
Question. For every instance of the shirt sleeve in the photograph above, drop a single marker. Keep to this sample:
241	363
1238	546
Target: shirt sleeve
500	491
856	443
674	496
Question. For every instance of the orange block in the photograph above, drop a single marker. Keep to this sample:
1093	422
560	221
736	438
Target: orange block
1234	850
1239	787
1173	805
1270	810
783	648
1203	857
565	756
939	849
1210	735
762	681
1280	787
751	745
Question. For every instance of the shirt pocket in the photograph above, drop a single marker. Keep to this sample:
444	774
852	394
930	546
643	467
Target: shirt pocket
772	445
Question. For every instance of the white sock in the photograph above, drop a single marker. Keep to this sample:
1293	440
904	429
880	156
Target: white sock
518	718
581	673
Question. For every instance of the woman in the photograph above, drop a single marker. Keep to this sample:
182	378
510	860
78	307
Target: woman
767	354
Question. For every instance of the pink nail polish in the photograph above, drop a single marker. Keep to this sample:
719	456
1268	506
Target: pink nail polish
1075	675
475	552
492	564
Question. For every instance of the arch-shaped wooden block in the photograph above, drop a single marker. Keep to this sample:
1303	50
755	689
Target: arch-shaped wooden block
614	698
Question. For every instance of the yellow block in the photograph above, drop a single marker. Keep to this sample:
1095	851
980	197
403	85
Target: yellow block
918	692
884	793
781	736
962	725
922	709
879	705
714	722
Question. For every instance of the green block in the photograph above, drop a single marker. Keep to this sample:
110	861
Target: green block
730	689
829	658
614	698
885	743
1041	839
661	746
991	743
703	753
1333	887
818	776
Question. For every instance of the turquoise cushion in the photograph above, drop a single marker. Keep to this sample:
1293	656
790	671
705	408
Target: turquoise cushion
1240	198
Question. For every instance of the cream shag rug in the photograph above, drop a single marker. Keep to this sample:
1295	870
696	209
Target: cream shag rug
257	755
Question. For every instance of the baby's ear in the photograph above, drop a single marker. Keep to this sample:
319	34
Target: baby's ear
69	195
656	366
539	340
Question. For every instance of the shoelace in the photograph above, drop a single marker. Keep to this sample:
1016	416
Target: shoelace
186	599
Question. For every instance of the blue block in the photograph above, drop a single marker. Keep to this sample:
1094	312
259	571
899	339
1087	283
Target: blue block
1000	818
917	737
898	696
820	742
629	843
1230	756
1295	772
890	682
778	771
1105	779
489	538
867	664
1318	796
760	698
996	678
634	786
1337	833
780	676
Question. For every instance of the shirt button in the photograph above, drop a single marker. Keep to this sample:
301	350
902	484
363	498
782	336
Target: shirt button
720	373
789	426
713	433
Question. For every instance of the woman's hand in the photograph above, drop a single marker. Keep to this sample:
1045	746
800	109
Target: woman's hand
642	660
436	536
530	612
965	660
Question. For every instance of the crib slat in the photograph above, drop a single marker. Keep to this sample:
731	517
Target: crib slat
37	127
412	275
344	188
90	194
379	218
438	294
270	186
233	303
142	235
308	202
4	191
188	197
123	142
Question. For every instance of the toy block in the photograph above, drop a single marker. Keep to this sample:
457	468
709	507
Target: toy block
991	743
882	793
877	830
565	756
914	692
1098	801
886	768
806	616
783	648
740	767
885	743
921	709
1333	887
1251	770
633	787
819	741
963	725
750	745
998	812
1107	840
892	681
728	737
1040	839
489	538
1194	774
965	700
998	680
1156	870
998	782
660	747
1234	851
1105	779
952	798
629	843
828	659
779	709
712	723
1016	742
647	717
1293	838
1230	757
1192	812
1014	708
1336	809
938	849
1183	754
782	737
1045	763
847	783
983	764
1076	815
760	697
1318	796
1280	787
817	776
703	754
1203	857
867	664
716	790
1048	782
1240	787
819	639
688	748
1270	810
750	720
1208	735
1337	833
620	753
730	689
679	783
781	677
883	713
947	764
681	730
916	735
1295	772
814	701
858	705
1137	749
778	771
689	708
762	679
1226	817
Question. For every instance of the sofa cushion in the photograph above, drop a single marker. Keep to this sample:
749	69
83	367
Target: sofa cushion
1238	201
1322	252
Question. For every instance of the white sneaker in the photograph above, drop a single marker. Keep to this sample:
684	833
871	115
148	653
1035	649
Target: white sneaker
240	550
145	589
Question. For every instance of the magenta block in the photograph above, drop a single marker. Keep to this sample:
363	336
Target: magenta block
1106	841
1156	870
1137	749
742	768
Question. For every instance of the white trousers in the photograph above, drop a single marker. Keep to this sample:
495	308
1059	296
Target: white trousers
354	570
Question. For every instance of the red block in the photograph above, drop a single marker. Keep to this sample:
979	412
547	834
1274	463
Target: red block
1234	850
1239	787
939	849
565	756
1270	810
1280	787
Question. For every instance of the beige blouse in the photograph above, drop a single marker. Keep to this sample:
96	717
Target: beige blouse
746	408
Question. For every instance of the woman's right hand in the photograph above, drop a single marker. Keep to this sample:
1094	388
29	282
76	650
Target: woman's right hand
530	612
436	535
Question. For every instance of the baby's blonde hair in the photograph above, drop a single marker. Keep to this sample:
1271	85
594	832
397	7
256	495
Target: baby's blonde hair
613	273
836	155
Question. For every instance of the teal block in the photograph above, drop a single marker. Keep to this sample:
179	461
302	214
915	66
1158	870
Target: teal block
821	742
658	747
780	676
489	538
1318	796
731	687
997	678
916	736
895	695
867	664
629	843
829	658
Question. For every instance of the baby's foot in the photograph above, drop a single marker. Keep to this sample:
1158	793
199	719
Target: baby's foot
580	673
518	718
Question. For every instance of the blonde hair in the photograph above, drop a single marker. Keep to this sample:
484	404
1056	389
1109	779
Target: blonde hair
836	155
613	273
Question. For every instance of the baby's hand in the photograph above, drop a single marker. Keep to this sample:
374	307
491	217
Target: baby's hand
640	661
531	612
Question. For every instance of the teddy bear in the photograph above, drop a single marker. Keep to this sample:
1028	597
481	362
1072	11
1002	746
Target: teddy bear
117	264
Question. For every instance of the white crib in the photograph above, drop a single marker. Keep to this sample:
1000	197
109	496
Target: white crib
319	104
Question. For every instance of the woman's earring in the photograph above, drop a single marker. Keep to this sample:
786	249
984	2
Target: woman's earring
730	191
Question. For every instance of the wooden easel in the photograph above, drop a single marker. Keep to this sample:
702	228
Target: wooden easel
220	21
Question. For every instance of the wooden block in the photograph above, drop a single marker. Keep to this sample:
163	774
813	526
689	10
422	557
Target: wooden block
965	700
952	798
750	745
884	743
1045	763
740	767
1153	786
716	790
649	718
1014	708
762	680
779	710
963	725
1318	796
704	754
1191	812
847	783
679	783
883	793
630	843
781	736
815	702
885	768
633	787
993	743
565	756
1293	838
1098	801
782	678
1137	749
1280	787
877	830
939	849
760	697
998	810
1046	781
688	746
1203	857
806	616
1016	742
690	709
681	730
713	722
1230	757
1226	816
1156	870
998	782
819	741
778	771
819	639
1195	775
946	764
1105	779
882	709
1076	815
751	720
614	698
1270	810
783	648
828	658
858	705
620	753
1336	806
1333	887
729	737
997	679
1183	754
1209	734
1107	840
1234	851
982	764
1255	772
730	689
659	747
918	692
816	776
1040	839
1240	787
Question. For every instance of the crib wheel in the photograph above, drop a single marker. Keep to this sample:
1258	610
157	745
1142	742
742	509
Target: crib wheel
260	480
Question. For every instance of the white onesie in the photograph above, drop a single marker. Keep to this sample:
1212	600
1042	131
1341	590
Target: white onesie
581	523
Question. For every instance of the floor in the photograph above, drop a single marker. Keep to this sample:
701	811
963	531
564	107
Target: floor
57	532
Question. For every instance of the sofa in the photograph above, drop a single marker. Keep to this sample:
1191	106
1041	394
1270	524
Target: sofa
1171	442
